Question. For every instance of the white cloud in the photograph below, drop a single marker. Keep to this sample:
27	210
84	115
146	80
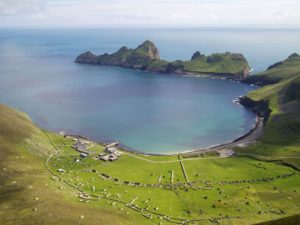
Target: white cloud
155	13
13	7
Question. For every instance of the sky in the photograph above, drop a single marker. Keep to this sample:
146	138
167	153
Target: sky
150	13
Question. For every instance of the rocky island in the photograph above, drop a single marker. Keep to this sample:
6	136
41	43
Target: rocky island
146	57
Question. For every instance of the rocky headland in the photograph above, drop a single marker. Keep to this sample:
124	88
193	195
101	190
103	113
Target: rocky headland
146	57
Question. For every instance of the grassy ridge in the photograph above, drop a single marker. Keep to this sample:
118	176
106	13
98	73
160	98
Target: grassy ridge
281	136
217	63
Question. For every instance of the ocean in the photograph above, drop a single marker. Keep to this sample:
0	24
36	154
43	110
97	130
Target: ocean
147	112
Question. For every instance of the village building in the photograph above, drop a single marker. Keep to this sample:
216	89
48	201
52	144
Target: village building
111	150
112	157
104	157
81	148
113	144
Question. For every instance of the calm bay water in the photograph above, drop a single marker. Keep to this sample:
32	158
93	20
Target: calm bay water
145	111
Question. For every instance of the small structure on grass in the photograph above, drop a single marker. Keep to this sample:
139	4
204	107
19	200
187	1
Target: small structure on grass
60	170
83	155
104	157
224	153
110	157
81	148
113	144
110	152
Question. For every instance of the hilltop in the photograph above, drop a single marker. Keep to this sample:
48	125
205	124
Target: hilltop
146	57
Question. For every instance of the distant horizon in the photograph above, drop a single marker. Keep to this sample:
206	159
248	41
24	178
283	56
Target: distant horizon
249	27
149	14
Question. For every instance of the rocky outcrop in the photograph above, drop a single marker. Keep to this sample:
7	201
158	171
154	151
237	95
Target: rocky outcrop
138	58
87	57
196	55
260	108
150	49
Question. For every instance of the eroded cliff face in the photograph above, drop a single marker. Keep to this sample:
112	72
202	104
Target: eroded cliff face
246	73
150	49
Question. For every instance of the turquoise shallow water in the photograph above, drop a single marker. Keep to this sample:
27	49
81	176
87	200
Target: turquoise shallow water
147	112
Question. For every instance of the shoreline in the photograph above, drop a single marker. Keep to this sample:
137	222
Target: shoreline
248	138
244	139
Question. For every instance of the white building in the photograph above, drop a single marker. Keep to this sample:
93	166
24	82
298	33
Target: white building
111	150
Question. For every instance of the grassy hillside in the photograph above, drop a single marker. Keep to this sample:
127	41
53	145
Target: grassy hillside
283	70
281	136
218	63
138	190
27	194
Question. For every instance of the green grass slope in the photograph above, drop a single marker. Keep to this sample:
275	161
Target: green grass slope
27	194
237	190
281	137
218	63
283	70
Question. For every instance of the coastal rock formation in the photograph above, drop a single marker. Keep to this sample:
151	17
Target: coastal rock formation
138	58
88	58
151	49
146	57
260	107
